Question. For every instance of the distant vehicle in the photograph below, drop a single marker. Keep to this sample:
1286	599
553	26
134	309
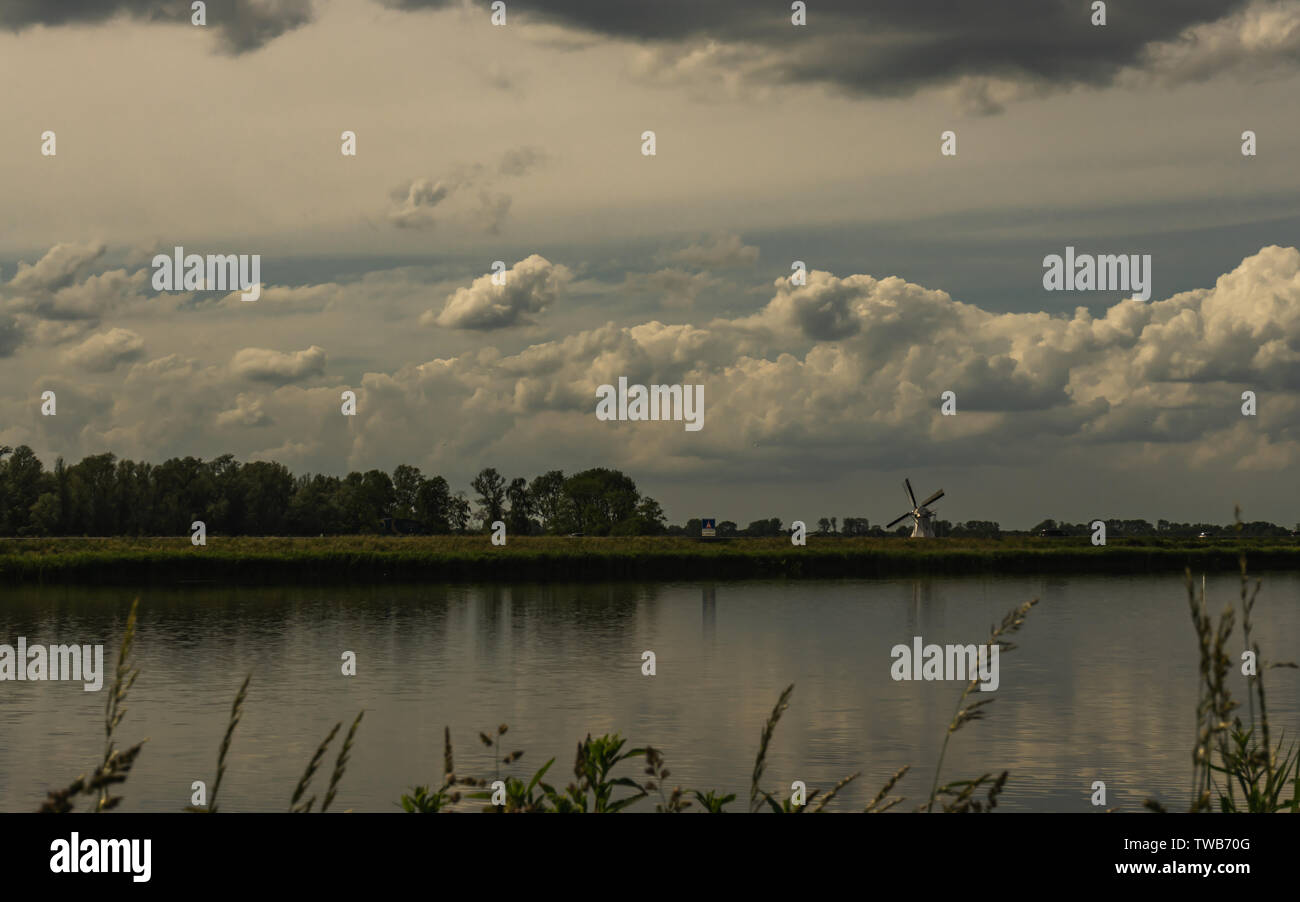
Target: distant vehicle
574	535
1205	535
1052	533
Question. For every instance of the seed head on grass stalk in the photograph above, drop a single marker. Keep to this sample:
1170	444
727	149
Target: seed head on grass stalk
838	786
963	794
341	764
769	728
673	803
1215	703
115	770
123	679
1011	623
880	804
301	789
236	712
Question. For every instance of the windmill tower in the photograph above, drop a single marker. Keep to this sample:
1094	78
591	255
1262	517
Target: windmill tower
923	517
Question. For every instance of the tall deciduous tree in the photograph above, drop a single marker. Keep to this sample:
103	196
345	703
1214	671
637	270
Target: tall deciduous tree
491	488
519	519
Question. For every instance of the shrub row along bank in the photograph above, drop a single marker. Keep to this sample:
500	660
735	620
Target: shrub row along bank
457	558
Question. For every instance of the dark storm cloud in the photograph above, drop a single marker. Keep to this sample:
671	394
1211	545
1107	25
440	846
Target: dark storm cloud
895	47
240	25
882	48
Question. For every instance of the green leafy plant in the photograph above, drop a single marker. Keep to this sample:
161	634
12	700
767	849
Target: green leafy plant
712	802
423	799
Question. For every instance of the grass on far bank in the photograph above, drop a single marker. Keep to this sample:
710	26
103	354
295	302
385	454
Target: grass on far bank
376	557
368	558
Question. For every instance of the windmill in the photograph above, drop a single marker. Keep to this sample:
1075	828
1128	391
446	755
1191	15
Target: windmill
920	513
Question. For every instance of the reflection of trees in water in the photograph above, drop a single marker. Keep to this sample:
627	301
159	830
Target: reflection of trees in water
584	617
922	612
65	614
709	602
233	629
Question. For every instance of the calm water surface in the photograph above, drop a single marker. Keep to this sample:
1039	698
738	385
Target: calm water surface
1102	685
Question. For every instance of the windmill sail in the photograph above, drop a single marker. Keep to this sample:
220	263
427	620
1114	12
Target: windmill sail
900	519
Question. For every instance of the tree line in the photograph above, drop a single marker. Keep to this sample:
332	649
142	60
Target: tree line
1169	528
105	496
860	526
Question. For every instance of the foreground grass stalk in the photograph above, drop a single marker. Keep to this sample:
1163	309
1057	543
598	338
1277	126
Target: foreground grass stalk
124	677
236	712
1011	623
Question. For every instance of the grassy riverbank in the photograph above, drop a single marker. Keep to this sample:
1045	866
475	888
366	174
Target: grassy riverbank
371	558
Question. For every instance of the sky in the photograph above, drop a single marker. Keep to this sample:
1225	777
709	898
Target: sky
774	143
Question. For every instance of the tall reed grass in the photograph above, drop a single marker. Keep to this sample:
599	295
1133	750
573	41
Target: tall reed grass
1236	765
